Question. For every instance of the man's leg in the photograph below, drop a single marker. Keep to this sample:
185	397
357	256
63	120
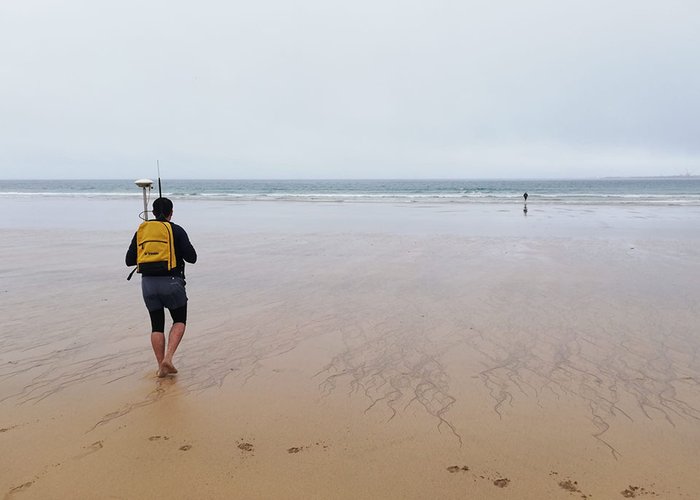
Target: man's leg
174	338
179	316
158	343
157	335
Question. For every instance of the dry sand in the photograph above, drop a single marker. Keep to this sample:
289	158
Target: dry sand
356	351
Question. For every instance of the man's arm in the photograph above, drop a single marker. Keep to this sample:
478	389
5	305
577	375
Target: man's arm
131	253
186	249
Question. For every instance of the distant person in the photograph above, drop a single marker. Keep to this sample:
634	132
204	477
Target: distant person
160	249
525	196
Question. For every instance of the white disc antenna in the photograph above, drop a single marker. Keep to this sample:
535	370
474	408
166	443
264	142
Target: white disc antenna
146	185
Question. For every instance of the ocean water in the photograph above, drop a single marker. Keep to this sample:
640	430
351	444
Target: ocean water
626	191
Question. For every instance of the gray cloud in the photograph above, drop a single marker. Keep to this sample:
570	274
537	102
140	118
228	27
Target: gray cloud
362	89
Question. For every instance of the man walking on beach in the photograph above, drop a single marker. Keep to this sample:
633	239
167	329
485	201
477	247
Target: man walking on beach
165	288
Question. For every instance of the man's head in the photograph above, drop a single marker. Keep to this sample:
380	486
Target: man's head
162	208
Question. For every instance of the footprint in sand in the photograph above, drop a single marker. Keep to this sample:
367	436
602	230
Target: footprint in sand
6	429
186	447
569	485
635	491
572	486
501	482
456	468
94	447
19	488
245	447
158	438
318	444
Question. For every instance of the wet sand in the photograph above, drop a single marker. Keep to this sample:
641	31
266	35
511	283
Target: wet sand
356	351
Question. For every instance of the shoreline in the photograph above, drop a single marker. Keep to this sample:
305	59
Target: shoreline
574	192
611	201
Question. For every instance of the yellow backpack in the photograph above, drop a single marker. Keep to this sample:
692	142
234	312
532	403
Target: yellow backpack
155	248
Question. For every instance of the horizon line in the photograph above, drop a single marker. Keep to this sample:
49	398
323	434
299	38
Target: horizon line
677	176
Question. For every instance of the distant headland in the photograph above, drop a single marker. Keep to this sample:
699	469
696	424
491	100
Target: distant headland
651	177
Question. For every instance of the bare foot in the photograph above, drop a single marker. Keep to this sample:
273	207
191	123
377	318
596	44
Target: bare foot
166	368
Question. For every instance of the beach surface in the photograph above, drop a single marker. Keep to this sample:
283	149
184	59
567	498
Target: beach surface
355	350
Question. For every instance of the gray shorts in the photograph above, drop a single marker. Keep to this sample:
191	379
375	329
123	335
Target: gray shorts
163	292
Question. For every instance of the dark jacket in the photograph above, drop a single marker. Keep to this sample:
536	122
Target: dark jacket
184	251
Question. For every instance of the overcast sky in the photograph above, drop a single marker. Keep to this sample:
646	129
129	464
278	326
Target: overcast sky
361	89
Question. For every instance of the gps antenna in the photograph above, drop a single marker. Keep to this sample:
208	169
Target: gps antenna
146	185
160	191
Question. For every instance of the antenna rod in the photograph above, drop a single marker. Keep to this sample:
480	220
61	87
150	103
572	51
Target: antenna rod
160	191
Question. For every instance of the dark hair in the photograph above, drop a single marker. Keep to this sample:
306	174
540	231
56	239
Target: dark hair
162	207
